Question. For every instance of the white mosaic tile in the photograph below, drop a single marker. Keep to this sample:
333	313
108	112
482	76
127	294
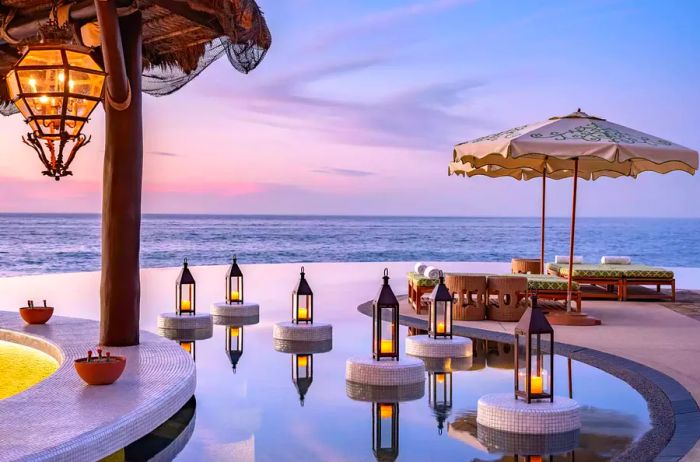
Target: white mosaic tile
501	411
424	346
63	419
194	321
317	332
367	371
233	310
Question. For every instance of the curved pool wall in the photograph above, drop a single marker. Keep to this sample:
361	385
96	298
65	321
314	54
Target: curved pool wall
673	411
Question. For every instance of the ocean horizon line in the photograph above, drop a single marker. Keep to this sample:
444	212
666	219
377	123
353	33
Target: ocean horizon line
323	215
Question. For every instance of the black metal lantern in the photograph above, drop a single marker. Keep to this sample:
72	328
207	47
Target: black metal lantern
534	367
189	347
302	301
234	283
55	84
185	288
302	373
385	431
440	396
534	458
440	317
385	317
234	345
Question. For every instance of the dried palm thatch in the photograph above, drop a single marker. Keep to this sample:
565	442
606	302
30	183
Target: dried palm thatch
181	38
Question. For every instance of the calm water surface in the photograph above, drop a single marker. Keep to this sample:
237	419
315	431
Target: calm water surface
31	244
256	414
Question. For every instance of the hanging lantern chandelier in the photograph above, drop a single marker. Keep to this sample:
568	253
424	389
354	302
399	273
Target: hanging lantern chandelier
56	85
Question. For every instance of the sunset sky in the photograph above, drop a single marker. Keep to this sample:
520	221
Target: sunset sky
357	105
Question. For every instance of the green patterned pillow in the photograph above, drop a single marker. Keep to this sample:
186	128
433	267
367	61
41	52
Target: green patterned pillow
549	282
420	280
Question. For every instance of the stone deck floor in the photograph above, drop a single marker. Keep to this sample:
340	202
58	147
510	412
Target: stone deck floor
63	419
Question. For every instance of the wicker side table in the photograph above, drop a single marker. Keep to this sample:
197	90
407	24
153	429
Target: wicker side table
470	293
525	266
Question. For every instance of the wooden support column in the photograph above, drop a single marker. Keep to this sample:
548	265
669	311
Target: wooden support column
120	290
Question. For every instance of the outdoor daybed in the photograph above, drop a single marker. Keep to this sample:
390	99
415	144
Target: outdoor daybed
616	280
471	296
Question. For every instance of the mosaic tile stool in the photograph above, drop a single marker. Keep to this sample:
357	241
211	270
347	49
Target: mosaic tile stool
501	411
391	394
317	332
185	328
232	310
367	371
425	346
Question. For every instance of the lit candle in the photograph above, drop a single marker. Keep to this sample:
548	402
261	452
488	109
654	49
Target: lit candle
386	411
187	346
303	313
185	305
440	378
387	346
234	331
234	295
535	458
536	384
441	328
302	361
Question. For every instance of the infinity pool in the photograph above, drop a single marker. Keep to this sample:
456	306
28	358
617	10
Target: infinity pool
255	412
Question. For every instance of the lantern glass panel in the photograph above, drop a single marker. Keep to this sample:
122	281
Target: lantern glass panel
302	307
82	60
12	85
23	108
50	57
387	340
540	364
186	299
235	338
442	322
303	365
440	389
84	83
74	127
521	360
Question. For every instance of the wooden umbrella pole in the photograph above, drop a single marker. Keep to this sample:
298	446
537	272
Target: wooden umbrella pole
120	290
544	194
571	241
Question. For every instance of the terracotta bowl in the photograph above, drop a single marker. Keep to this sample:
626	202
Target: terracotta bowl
100	372
36	315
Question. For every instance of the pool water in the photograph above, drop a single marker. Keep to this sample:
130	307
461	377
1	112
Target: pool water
22	367
255	412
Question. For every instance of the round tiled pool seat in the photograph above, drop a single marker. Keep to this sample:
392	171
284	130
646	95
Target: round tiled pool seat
501	411
185	328
521	443
234	310
367	371
447	364
317	332
422	345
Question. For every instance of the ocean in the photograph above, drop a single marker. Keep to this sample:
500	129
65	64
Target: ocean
47	243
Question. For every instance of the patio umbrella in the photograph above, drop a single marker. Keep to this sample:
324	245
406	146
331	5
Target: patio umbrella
576	145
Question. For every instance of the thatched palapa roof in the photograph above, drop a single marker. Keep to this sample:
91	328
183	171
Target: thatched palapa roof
180	37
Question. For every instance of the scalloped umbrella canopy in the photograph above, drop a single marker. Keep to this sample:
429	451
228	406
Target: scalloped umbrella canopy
603	148
576	145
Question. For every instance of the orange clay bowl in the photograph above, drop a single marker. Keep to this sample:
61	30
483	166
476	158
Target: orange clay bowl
37	315
98	372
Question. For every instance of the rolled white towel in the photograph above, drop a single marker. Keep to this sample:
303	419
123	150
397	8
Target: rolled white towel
431	272
615	260
564	259
419	267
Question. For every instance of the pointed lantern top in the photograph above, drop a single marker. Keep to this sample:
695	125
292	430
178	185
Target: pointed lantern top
234	270
533	321
386	296
303	287
441	293
185	276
